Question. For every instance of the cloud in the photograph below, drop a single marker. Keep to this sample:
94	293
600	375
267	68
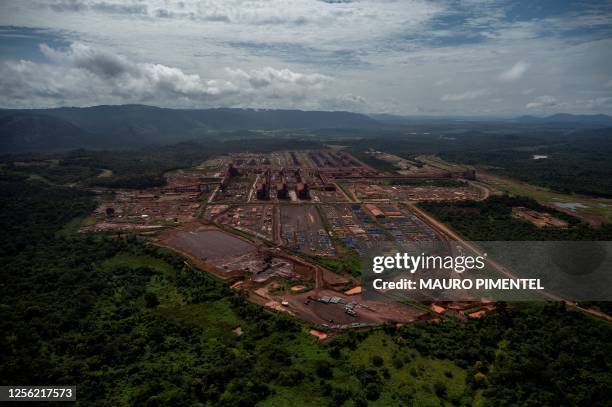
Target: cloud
100	6
260	78
118	8
101	63
308	53
609	84
542	102
469	95
346	101
82	74
276	14
515	72
125	76
597	104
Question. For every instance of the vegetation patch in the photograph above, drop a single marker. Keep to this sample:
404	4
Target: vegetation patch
492	220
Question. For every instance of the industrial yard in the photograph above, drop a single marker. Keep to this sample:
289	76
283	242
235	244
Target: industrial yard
258	220
302	229
181	200
413	193
267	223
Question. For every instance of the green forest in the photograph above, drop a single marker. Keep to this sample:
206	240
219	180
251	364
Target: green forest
578	161
133	324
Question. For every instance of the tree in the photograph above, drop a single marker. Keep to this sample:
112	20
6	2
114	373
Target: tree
151	300
377	361
324	370
440	389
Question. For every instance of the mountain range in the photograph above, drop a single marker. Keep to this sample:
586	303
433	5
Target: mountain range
127	126
566	118
559	118
137	125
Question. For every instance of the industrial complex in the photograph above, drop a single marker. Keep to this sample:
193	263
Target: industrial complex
279	226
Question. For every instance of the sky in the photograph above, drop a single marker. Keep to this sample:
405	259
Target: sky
425	58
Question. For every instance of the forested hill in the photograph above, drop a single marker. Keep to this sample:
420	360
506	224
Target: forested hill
25	131
137	125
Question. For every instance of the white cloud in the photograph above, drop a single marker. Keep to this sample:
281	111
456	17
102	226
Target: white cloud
469	95
542	102
86	75
515	72
267	76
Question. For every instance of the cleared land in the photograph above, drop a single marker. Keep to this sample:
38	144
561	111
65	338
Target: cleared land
210	244
334	314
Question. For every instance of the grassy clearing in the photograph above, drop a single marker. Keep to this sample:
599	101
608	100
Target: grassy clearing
415	378
437	162
106	173
376	163
412	382
167	294
348	262
217	317
75	224
598	207
306	352
36	178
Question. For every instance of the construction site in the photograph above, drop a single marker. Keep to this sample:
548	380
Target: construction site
267	223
